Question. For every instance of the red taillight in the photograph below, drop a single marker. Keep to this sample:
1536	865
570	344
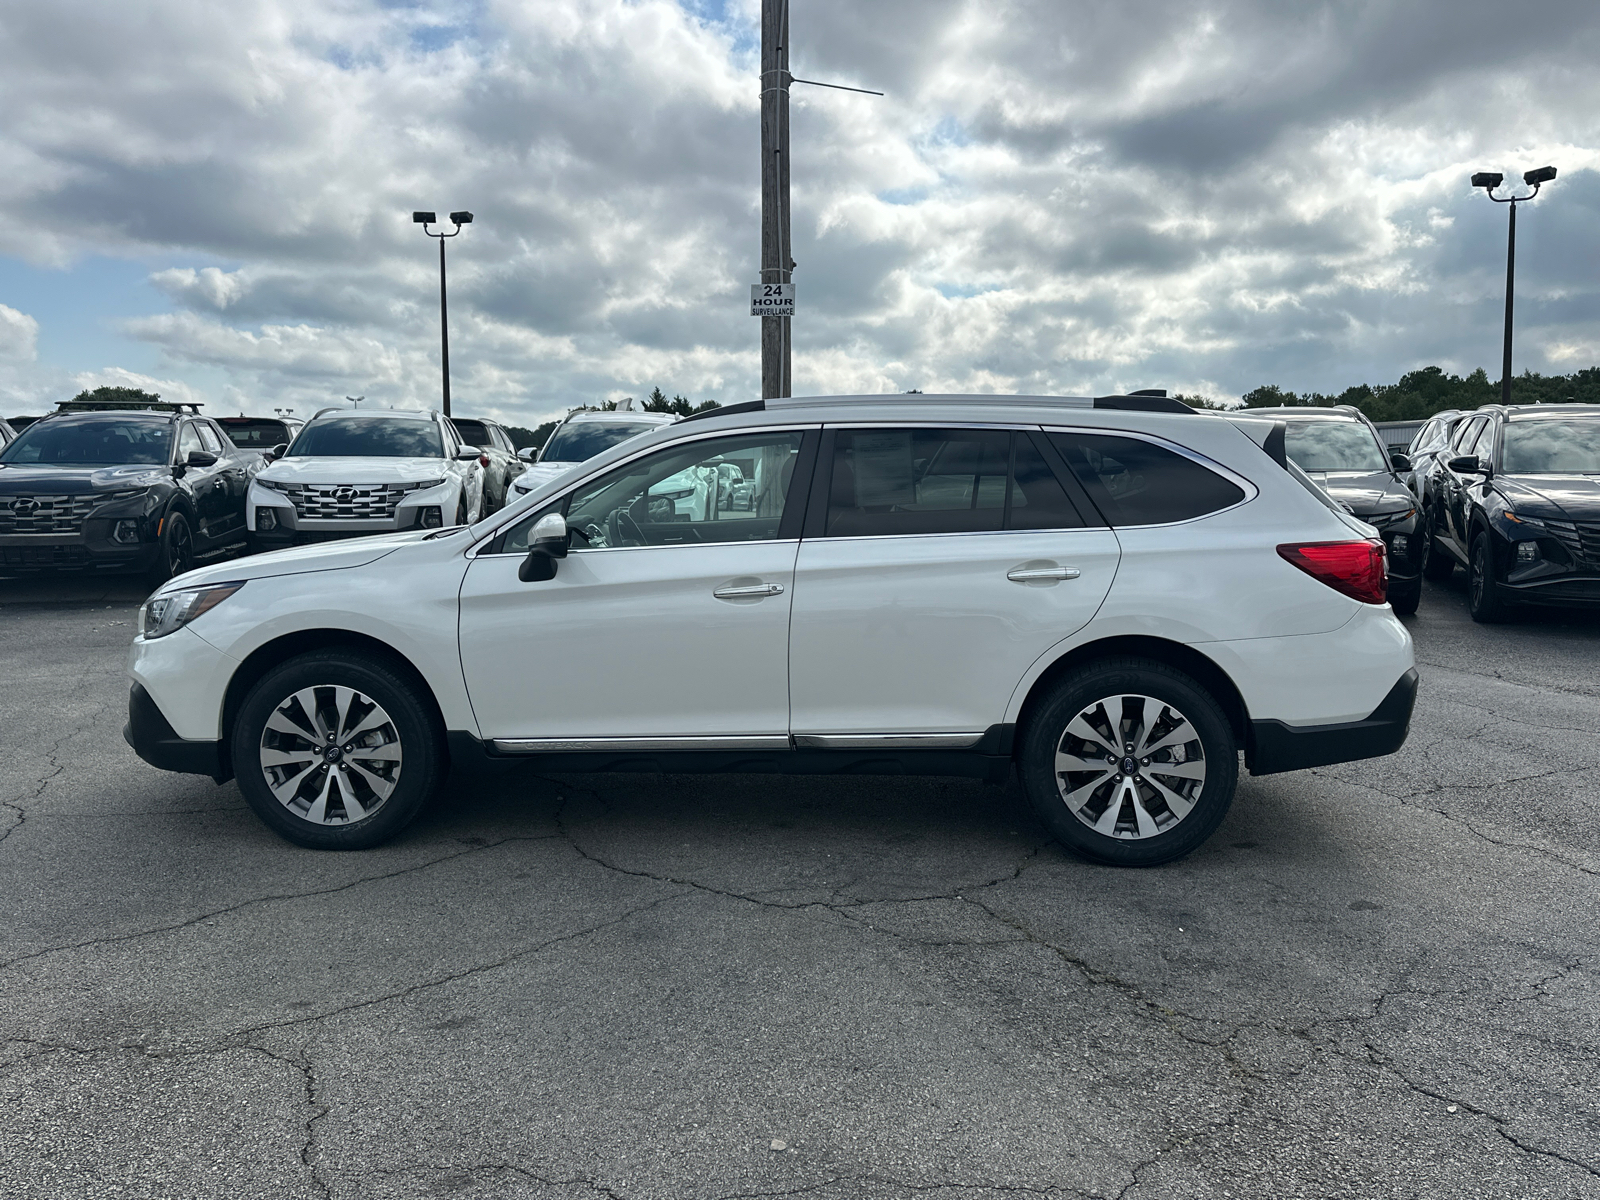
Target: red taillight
1358	569
483	460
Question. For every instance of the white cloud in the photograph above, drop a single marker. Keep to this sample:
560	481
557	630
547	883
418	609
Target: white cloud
19	335
1052	197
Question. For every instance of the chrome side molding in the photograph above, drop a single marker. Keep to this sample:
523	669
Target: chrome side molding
887	741
546	745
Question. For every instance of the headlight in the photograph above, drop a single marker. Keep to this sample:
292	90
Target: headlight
1520	520
273	484
422	486
129	495
1384	519
170	611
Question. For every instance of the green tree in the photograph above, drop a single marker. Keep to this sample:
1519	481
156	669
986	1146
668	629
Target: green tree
120	395
678	405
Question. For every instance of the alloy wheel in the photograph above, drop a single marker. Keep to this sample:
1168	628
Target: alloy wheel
330	755
1130	766
180	549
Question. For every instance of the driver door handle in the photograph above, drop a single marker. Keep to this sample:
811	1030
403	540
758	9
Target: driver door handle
1029	574
748	590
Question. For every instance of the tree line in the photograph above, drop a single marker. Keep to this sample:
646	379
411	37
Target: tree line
1421	393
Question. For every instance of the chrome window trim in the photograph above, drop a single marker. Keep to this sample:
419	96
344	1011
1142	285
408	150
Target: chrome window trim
694	436
1247	486
575	552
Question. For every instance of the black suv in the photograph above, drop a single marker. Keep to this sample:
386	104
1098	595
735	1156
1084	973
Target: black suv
1516	501
1341	450
148	488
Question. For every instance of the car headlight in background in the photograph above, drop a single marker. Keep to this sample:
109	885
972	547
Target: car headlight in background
1382	520
168	612
1520	520
272	483
422	486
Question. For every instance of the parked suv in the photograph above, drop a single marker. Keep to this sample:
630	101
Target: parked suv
261	434
1341	451
148	488
1516	500
498	458
584	434
1431	441
349	474
1114	602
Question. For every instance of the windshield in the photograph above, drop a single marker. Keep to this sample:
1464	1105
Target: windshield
368	437
577	441
1322	445
473	433
99	442
253	435
1546	447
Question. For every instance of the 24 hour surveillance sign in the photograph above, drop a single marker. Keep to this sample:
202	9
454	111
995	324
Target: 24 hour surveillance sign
772	299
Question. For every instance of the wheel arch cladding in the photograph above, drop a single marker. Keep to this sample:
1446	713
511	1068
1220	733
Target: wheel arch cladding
270	654
1175	654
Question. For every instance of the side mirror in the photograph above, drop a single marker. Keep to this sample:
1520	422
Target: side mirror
1400	460
467	453
201	458
277	451
1464	464
546	543
529	454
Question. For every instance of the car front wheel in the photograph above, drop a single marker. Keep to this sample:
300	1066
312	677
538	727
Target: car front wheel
336	751
1437	566
1483	598
176	551
1129	762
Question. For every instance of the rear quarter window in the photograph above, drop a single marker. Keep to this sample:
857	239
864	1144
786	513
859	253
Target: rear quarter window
1135	482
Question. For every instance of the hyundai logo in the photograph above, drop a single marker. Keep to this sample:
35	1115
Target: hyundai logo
24	506
344	494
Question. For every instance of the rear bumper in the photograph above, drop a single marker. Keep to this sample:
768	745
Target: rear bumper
153	739
1275	746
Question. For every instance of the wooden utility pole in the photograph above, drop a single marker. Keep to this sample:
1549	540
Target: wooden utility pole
776	265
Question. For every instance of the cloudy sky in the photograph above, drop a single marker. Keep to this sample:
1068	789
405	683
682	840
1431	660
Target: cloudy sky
214	200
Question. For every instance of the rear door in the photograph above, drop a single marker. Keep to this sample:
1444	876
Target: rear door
938	563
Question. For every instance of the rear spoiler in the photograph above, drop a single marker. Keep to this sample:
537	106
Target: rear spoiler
1266	433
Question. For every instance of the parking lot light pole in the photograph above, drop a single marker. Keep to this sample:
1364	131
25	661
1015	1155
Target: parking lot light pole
1488	181
458	219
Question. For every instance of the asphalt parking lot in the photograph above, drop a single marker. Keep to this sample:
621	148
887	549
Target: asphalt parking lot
1377	980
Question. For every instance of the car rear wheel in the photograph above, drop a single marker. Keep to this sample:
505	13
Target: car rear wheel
1437	566
1129	762
336	751
1483	598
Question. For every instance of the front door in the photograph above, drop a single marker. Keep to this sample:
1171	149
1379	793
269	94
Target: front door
666	626
948	561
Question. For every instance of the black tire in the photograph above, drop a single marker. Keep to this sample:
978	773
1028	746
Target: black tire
1483	599
1133	682
1437	565
409	725
461	511
1404	596
176	543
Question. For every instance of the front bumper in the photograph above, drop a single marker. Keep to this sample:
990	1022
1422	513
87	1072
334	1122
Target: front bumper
92	549
154	740
1274	746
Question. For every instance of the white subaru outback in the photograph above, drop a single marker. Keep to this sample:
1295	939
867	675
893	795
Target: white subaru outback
1114	597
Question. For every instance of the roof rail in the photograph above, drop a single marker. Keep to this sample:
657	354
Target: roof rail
1145	401
166	406
728	410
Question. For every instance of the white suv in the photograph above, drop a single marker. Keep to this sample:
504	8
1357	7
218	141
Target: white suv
1116	602
349	473
584	434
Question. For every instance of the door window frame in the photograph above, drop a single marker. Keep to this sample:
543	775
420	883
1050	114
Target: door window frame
1247	486
789	525
821	490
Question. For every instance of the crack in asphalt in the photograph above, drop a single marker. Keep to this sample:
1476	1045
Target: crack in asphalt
15	804
274	898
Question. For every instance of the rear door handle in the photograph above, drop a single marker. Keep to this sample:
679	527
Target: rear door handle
747	591
1031	574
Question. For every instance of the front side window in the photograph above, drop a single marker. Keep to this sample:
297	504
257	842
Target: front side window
1484	442
189	442
208	435
1545	446
1466	435
1135	482
888	482
578	441
1324	445
729	489
96	442
368	437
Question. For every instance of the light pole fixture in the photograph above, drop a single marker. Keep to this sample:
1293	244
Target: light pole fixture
1489	181
458	219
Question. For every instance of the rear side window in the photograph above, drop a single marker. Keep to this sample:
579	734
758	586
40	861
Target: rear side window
1135	482
913	481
